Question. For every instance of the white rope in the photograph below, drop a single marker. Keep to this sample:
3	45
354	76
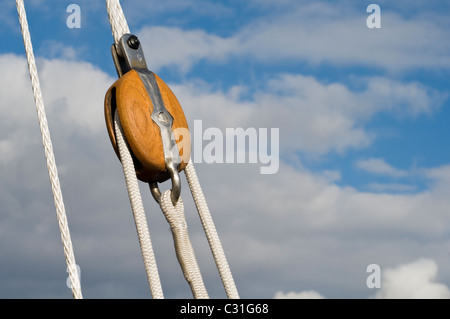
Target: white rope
119	25
183	247
211	232
138	212
50	157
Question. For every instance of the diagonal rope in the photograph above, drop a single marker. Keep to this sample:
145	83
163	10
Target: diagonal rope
211	232
119	25
138	212
49	155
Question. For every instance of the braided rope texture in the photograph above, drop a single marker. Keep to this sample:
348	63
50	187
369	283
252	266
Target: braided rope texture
211	232
138	212
119	25
49	155
183	247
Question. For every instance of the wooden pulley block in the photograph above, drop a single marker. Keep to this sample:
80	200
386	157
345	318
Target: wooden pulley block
130	97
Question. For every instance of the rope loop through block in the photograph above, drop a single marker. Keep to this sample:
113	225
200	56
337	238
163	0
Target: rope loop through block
185	253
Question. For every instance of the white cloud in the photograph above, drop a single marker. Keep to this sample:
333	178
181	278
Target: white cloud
52	49
300	230
380	167
416	280
7	151
308	294
324	33
314	33
313	117
73	95
390	187
171	46
75	89
189	9
439	174
402	99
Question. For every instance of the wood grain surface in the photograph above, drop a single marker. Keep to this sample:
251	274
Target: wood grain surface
129	96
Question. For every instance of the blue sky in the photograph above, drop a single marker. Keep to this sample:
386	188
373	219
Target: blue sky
364	163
